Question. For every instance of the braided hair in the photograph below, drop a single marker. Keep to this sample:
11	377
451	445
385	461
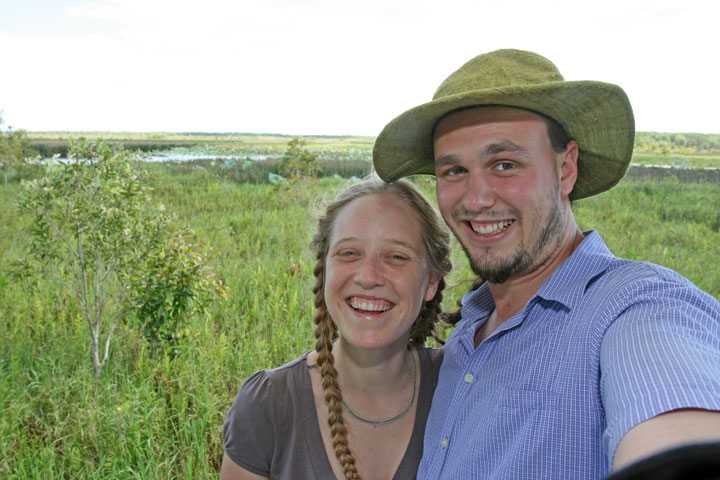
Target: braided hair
437	244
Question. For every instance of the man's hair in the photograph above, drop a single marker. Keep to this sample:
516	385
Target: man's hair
559	138
437	245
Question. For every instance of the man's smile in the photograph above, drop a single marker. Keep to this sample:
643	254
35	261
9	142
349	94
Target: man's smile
490	228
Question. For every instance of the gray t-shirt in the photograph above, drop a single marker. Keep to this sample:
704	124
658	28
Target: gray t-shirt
272	428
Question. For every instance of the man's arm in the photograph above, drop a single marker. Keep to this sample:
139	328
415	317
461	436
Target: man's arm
665	431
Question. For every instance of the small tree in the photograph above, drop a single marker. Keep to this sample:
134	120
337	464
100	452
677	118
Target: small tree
95	232
298	161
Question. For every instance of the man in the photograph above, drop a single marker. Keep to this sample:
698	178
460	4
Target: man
568	361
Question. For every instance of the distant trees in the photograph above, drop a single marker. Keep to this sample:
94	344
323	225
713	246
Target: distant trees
298	161
14	149
677	143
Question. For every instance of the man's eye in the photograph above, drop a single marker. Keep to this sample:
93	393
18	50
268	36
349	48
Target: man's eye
452	172
505	166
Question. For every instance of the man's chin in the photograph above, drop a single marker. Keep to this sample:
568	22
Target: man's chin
500	271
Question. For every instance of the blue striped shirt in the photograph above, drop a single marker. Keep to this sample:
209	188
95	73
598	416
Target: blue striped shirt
604	344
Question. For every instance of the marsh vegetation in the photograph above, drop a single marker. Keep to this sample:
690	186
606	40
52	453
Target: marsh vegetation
155	416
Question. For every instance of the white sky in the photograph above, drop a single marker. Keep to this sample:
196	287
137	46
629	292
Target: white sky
333	67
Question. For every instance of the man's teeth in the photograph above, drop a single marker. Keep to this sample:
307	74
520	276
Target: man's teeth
369	306
490	228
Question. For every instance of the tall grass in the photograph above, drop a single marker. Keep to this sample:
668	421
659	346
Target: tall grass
155	417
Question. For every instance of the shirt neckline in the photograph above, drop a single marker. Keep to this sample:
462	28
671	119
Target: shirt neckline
311	423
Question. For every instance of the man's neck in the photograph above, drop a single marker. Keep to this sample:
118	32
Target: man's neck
511	296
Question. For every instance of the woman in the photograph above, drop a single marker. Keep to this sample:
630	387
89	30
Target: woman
355	406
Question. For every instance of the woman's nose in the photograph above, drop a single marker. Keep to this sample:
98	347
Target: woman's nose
369	273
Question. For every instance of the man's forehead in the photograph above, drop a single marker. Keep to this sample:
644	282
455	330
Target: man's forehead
483	114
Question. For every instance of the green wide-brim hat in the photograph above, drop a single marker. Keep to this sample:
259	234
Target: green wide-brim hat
597	115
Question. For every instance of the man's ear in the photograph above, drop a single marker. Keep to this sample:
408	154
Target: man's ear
568	168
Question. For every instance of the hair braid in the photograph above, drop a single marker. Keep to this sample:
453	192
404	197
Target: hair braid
452	318
325	332
424	326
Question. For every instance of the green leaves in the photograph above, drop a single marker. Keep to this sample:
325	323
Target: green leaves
14	149
175	284
95	232
298	162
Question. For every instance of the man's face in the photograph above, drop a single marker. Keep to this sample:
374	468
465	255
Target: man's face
500	188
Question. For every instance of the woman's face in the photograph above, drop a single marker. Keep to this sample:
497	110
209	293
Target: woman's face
376	272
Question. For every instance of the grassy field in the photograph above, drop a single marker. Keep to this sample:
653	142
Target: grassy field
152	417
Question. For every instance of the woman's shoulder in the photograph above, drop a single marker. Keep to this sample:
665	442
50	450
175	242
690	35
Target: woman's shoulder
431	357
431	353
262	383
261	415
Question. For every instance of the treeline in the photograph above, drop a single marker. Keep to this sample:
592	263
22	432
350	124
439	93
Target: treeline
677	143
47	148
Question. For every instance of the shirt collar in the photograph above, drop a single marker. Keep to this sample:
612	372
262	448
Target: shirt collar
568	283
565	285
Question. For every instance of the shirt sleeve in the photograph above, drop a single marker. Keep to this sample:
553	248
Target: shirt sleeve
249	429
662	353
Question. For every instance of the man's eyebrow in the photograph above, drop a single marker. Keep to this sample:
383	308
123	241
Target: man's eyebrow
445	160
506	146
488	151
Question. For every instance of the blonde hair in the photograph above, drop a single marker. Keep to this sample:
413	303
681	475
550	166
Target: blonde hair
437	244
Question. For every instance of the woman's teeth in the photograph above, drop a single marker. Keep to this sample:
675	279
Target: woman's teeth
368	305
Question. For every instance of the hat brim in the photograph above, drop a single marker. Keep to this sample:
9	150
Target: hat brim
597	115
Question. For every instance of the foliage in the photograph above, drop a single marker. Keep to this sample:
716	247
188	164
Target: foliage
298	161
92	230
95	232
677	143
14	149
158	417
175	284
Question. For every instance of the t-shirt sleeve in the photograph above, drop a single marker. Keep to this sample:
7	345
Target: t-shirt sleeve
249	430
662	353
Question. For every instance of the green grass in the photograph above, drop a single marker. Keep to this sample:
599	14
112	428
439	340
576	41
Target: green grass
153	417
674	224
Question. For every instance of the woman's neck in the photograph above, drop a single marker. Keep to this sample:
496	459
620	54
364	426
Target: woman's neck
372	370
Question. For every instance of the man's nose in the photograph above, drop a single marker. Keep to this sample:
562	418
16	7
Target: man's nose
479	193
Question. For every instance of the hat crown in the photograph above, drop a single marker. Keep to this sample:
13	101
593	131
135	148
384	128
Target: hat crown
499	69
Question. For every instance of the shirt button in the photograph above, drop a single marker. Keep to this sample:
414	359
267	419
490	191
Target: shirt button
469	377
444	443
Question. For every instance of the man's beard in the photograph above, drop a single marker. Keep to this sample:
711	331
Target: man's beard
524	260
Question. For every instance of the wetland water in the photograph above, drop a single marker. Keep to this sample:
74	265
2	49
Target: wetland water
187	157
